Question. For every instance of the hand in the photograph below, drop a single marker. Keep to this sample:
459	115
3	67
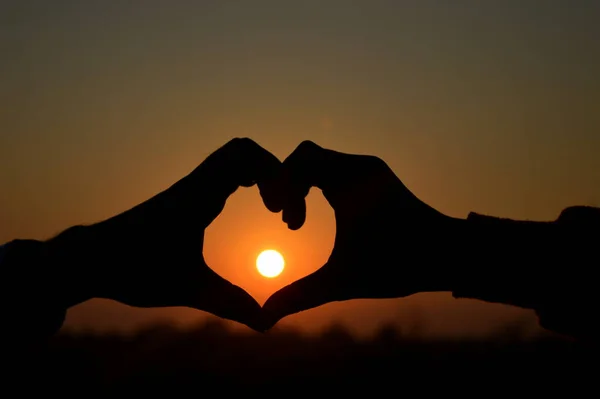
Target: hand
386	238
151	255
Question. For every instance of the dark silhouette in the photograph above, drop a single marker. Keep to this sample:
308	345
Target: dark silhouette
388	244
210	359
149	256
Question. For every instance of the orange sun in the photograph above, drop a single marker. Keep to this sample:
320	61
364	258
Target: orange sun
270	263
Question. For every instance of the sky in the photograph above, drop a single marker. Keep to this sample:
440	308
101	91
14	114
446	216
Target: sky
477	105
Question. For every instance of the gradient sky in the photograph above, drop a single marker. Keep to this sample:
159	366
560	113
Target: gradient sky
477	105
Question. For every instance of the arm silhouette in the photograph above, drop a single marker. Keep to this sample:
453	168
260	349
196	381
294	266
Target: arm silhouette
148	256
545	266
390	244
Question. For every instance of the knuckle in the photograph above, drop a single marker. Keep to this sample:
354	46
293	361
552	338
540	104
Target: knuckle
305	152
307	145
375	162
240	144
241	149
245	142
580	214
376	165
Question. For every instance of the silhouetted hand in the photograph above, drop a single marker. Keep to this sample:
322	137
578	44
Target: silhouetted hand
151	255
384	234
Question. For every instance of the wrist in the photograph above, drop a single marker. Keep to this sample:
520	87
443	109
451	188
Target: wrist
502	259
33	296
27	277
2	253
442	246
455	231
75	257
96	257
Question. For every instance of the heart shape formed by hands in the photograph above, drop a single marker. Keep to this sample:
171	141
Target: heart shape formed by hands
381	227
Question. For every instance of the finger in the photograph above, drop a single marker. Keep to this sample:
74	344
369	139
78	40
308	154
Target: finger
240	162
309	292
313	166
218	296
294	213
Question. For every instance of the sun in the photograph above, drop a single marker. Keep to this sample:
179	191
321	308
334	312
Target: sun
270	263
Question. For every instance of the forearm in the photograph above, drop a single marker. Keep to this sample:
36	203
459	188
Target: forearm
507	261
41	280
545	266
107	257
34	273
89	257
70	267
30	296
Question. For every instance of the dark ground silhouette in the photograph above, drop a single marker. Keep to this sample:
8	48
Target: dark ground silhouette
209	359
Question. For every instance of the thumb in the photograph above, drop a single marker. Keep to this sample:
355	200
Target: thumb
309	292
218	296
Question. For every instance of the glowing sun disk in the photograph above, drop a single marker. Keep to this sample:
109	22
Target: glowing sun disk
270	263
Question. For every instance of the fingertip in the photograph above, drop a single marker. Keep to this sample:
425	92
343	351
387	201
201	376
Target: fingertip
271	312
232	302
309	292
246	309
294	215
273	207
295	226
271	196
